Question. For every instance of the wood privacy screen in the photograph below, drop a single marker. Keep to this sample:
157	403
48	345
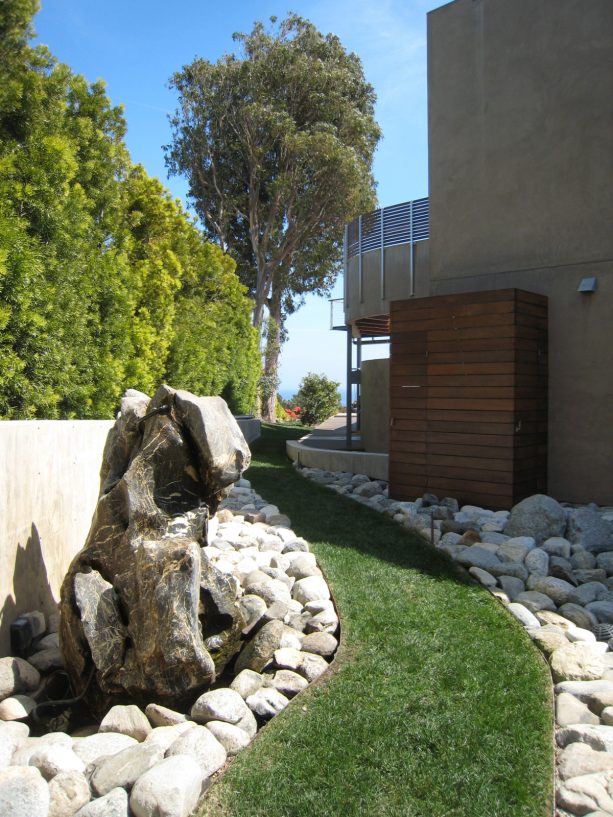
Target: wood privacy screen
468	397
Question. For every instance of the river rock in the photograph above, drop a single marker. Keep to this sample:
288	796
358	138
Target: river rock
535	601
603	610
311	588
127	720
586	793
587	527
231	737
596	574
514	569
246	683
219	705
162	716
307	664
557	589
165	466
258	652
68	792
605	562
170	789
113	804
596	694
52	759
571	710
201	745
16	707
123	769
578	759
12	736
600	738
323	644
93	747
478	556
577	662
23	792
537	561
538	516
267	702
557	546
165	736
17	676
523	615
578	615
287	682
548	638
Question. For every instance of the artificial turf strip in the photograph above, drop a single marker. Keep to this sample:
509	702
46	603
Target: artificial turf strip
440	706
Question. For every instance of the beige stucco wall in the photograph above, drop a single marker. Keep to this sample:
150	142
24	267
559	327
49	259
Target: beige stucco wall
375	399
521	195
48	491
396	283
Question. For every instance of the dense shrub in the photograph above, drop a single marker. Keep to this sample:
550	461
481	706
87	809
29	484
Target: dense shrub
318	398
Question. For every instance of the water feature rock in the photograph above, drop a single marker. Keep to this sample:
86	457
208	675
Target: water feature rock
140	602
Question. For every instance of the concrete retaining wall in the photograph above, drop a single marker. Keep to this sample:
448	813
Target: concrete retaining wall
358	462
48	492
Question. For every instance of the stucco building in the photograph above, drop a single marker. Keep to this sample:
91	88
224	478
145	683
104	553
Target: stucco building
497	291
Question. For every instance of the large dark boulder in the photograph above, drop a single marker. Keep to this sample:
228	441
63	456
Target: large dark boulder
144	615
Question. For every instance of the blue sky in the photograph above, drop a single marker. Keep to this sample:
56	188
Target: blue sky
136	45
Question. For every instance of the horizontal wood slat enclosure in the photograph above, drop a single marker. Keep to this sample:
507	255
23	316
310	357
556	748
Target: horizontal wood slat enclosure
468	397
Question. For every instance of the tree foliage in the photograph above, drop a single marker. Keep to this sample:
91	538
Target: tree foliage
317	398
99	266
277	144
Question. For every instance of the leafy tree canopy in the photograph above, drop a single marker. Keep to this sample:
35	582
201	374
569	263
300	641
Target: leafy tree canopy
277	143
99	266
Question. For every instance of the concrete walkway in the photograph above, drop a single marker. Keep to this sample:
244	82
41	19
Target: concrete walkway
325	447
332	434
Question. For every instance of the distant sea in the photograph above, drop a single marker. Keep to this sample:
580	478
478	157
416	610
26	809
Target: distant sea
287	392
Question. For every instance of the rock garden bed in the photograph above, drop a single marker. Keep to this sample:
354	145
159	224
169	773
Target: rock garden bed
156	761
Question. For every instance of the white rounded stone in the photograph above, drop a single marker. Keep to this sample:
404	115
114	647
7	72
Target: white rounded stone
170	789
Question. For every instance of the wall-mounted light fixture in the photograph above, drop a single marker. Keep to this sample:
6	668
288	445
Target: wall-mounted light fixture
587	285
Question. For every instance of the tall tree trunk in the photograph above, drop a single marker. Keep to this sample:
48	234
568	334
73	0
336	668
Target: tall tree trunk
270	381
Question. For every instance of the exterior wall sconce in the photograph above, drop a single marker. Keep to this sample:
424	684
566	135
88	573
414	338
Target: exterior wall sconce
587	285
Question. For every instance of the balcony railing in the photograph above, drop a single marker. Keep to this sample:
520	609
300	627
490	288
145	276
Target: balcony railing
399	224
405	223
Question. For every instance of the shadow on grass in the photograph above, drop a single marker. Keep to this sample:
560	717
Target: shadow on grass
321	515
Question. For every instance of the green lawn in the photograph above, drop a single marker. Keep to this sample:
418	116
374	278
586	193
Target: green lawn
440	706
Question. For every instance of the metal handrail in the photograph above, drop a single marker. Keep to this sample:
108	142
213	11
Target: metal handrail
404	223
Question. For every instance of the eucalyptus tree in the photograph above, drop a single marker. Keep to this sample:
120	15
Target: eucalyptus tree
277	143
